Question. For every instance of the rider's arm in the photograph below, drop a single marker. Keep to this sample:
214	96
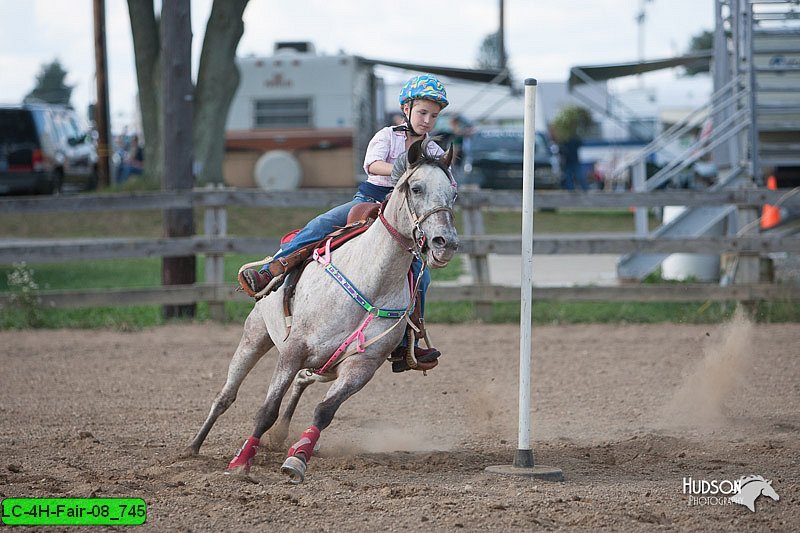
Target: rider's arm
378	153
380	168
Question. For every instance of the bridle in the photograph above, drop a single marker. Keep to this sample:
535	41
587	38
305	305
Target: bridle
417	243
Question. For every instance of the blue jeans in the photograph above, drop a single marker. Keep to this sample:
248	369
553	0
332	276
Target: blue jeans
126	171
572	173
319	227
323	224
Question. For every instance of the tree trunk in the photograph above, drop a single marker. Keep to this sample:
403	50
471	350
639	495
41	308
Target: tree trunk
176	85
217	80
147	50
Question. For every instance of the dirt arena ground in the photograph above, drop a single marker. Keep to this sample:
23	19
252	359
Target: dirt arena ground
627	412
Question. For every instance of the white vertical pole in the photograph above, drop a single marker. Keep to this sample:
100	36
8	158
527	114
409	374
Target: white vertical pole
524	457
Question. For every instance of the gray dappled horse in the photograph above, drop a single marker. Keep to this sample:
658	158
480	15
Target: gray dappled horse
417	217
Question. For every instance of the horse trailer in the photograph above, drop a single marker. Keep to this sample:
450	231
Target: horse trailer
300	118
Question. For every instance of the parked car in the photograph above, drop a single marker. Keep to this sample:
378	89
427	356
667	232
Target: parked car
494	160
42	147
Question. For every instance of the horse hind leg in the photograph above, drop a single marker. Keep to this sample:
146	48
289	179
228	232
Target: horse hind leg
255	342
279	432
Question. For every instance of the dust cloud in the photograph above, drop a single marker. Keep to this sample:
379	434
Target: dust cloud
381	438
711	383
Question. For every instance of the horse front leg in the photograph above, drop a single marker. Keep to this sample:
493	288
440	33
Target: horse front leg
288	365
255	342
352	379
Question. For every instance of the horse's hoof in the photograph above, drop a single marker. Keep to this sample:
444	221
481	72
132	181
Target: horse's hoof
295	468
243	460
240	470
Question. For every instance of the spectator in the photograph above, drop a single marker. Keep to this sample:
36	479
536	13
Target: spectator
133	163
461	130
571	164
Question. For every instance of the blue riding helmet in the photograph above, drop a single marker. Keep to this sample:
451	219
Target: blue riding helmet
424	86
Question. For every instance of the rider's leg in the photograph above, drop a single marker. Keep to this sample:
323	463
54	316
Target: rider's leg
315	230
424	355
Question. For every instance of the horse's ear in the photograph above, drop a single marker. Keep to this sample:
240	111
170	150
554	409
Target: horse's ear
447	159
399	168
414	153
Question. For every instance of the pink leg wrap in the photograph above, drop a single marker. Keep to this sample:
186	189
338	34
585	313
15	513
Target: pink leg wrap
306	444
244	457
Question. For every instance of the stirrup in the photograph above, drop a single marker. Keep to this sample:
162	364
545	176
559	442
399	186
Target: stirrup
244	283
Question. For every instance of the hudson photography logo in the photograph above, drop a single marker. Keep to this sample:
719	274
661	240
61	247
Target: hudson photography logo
743	491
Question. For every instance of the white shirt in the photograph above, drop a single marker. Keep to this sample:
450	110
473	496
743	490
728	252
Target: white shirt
387	145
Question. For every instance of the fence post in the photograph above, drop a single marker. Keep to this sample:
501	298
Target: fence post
478	263
215	222
639	185
747	271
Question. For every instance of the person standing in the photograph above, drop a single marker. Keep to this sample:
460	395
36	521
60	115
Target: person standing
133	163
569	151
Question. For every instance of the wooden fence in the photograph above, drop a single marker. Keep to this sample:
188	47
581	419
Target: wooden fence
215	243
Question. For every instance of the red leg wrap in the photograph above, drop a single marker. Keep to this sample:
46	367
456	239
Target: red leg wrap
306	443
244	457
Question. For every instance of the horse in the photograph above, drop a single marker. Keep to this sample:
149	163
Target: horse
416	220
751	487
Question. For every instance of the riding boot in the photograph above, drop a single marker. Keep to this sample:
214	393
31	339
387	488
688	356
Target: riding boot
426	358
253	281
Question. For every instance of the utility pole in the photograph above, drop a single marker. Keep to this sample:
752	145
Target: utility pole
176	103
501	38
641	16
101	114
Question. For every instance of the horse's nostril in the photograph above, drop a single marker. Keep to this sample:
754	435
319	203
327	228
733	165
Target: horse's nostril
439	242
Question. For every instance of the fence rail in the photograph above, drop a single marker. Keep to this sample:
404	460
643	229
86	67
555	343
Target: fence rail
214	244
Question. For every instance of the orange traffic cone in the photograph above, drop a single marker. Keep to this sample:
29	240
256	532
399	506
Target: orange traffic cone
770	214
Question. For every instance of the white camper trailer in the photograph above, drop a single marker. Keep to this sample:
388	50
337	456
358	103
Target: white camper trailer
298	119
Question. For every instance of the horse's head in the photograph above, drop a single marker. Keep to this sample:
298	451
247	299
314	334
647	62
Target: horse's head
426	192
768	491
750	488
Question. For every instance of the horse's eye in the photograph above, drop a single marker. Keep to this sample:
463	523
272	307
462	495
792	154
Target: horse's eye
416	189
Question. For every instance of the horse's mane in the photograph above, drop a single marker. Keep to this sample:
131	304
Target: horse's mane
744	480
424	156
427	158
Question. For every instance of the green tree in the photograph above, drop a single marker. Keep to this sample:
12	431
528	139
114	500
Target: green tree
50	87
217	80
489	52
571	121
702	42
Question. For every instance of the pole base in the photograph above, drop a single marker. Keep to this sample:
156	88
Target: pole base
523	466
547	473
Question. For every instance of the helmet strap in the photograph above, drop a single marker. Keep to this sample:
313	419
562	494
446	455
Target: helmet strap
409	127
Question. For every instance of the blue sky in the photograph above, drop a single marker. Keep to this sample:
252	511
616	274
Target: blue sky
544	38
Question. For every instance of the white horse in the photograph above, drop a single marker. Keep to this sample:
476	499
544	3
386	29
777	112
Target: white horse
417	218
